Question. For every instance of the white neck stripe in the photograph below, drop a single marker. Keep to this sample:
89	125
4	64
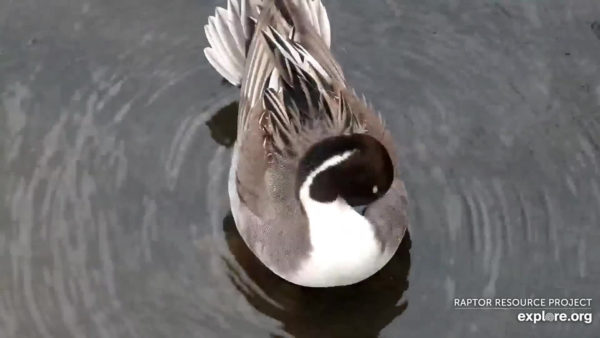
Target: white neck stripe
333	161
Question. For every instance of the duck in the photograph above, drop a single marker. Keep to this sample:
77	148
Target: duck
314	184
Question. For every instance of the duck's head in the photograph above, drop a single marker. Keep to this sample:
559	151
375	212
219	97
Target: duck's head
356	168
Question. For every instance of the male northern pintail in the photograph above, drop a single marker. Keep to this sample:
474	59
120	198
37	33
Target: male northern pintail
313	182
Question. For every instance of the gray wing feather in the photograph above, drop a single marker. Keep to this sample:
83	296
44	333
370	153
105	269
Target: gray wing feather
294	90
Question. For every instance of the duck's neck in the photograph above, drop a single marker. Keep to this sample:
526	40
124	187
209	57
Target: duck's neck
344	246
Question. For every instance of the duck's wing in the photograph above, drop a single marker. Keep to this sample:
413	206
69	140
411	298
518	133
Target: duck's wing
292	82
292	75
313	65
260	67
260	77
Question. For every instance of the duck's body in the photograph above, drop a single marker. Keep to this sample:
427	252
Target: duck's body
308	151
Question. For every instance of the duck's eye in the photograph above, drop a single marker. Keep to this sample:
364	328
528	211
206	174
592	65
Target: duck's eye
375	189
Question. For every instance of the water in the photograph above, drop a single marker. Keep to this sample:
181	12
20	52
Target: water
116	139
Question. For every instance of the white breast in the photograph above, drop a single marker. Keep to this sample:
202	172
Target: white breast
345	249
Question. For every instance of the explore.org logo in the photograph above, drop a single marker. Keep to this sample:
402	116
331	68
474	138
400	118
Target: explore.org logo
543	316
535	310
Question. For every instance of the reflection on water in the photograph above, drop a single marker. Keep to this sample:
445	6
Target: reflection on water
362	310
115	141
596	28
223	125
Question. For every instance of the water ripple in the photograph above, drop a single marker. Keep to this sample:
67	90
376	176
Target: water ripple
59	228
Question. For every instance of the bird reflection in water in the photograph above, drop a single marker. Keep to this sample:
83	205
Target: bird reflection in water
361	310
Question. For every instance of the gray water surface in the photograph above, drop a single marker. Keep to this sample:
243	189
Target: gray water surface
115	145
